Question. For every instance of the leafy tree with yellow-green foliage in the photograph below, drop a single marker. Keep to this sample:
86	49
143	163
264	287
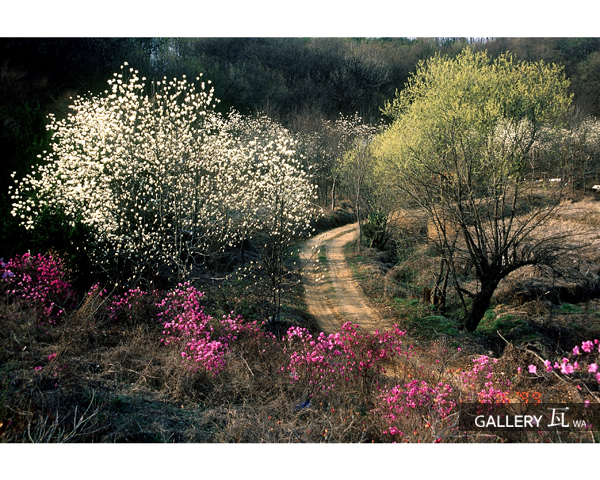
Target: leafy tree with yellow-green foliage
459	148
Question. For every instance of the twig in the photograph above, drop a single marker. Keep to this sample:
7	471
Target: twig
589	391
138	373
248	366
533	353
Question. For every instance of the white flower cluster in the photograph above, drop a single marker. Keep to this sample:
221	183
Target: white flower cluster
569	152
279	192
585	134
161	178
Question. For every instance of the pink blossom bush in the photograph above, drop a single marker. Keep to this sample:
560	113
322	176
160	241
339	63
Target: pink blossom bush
38	281
204	341
400	405
580	370
349	356
418	409
483	384
134	304
316	362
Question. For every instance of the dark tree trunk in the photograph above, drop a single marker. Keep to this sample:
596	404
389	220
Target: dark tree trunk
481	302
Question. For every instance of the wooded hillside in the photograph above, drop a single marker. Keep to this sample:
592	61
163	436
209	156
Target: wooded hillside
299	82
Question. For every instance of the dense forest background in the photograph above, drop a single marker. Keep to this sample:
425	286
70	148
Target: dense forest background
297	81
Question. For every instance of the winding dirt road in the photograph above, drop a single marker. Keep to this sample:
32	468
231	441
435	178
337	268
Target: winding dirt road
331	293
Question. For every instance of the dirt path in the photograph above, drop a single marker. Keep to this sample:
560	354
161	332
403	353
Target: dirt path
331	293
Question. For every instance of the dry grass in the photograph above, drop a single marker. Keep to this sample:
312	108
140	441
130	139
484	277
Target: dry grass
116	383
535	313
111	380
125	387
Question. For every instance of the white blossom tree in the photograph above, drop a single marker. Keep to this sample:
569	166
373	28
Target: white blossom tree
281	195
160	177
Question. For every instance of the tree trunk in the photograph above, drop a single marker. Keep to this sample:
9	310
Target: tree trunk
481	302
333	195
438	294
359	224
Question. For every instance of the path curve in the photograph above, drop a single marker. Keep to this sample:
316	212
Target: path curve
331	293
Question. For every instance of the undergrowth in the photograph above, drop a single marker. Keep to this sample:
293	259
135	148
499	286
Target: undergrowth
177	366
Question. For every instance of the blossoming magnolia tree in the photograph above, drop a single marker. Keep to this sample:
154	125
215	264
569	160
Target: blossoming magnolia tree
282	194
160	178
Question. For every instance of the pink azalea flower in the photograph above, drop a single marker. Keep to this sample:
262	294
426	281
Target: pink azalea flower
587	346
532	369
576	350
566	368
548	365
592	368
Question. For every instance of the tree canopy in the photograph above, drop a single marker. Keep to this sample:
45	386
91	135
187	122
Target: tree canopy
459	147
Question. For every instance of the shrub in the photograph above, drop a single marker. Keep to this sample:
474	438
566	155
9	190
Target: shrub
37	281
162	181
400	405
205	341
346	357
134	305
581	367
483	383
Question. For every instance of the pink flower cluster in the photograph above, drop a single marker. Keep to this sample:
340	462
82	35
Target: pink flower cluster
486	385
402	402
569	366
49	358
38	281
96	289
133	302
315	361
205	341
348	355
